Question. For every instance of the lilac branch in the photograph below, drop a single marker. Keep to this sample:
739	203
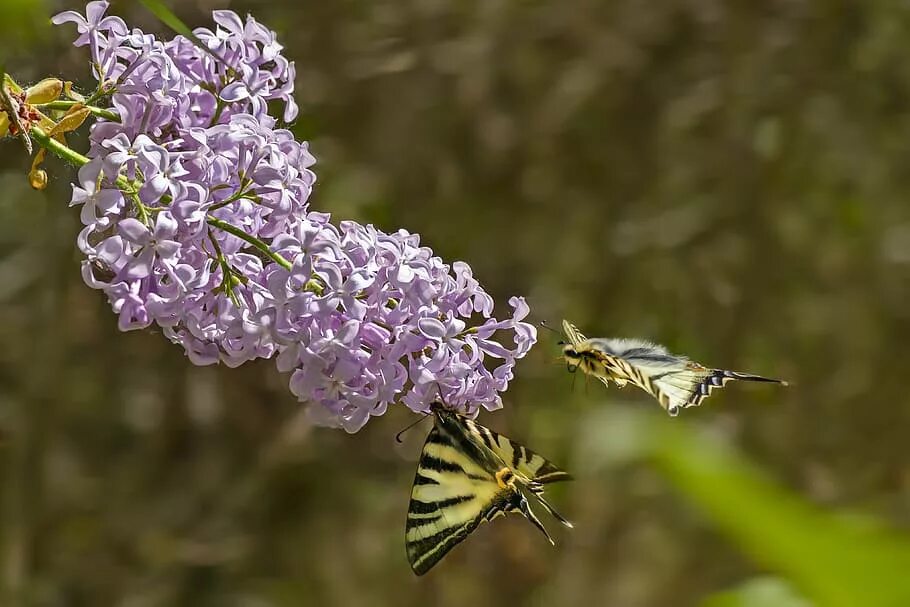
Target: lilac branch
252	240
96	111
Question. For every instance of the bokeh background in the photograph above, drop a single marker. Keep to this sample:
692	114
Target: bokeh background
728	178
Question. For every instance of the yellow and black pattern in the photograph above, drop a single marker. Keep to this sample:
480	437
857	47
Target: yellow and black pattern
675	381
469	474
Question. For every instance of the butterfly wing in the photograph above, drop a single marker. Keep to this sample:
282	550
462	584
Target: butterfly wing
451	496
516	456
574	336
688	388
533	470
675	381
469	474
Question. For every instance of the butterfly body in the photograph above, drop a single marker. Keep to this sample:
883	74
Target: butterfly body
675	381
467	475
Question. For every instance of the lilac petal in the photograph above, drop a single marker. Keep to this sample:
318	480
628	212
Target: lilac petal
134	231
346	370
358	282
355	307
405	275
235	91
288	358
111	250
114	25
521	308
494	348
432	328
229	20
94	11
348	332
290	109
332	275
354	421
167	249
88	276
140	266
88	174
108	200
69	16
165	226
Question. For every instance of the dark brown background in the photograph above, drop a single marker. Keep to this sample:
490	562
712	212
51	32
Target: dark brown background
727	178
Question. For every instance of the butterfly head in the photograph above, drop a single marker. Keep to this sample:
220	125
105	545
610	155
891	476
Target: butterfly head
443	412
572	357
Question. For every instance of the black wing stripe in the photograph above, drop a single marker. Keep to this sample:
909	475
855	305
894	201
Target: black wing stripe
419	521
430	462
444	503
420	479
458	463
427	551
552	476
487	436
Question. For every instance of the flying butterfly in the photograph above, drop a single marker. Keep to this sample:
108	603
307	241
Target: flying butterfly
468	475
675	381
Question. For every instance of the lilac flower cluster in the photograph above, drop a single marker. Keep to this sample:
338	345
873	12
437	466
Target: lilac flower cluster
196	219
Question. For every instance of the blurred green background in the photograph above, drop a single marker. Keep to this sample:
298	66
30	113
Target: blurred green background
727	178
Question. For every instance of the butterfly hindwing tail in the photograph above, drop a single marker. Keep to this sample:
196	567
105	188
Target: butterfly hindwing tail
718	378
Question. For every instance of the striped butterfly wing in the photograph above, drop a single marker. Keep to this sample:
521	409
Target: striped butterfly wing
516	456
574	336
452	494
689	387
668	378
533	471
675	381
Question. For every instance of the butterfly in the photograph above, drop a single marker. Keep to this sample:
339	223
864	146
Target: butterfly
675	381
467	475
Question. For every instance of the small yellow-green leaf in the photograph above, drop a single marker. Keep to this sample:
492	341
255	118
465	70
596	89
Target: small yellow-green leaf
45	91
72	94
72	120
11	84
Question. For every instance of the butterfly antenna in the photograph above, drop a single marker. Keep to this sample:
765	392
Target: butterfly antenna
543	325
409	426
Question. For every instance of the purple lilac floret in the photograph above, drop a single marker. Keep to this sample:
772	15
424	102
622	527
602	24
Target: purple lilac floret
359	317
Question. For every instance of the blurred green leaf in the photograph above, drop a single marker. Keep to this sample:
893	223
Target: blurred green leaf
20	22
837	560
758	592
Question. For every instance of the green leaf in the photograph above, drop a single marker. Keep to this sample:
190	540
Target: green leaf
758	592
837	559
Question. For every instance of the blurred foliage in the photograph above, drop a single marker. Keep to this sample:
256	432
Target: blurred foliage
758	592
837	560
729	179
22	23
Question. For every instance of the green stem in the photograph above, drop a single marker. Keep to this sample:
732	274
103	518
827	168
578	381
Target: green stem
55	147
75	158
65	105
252	240
70	155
